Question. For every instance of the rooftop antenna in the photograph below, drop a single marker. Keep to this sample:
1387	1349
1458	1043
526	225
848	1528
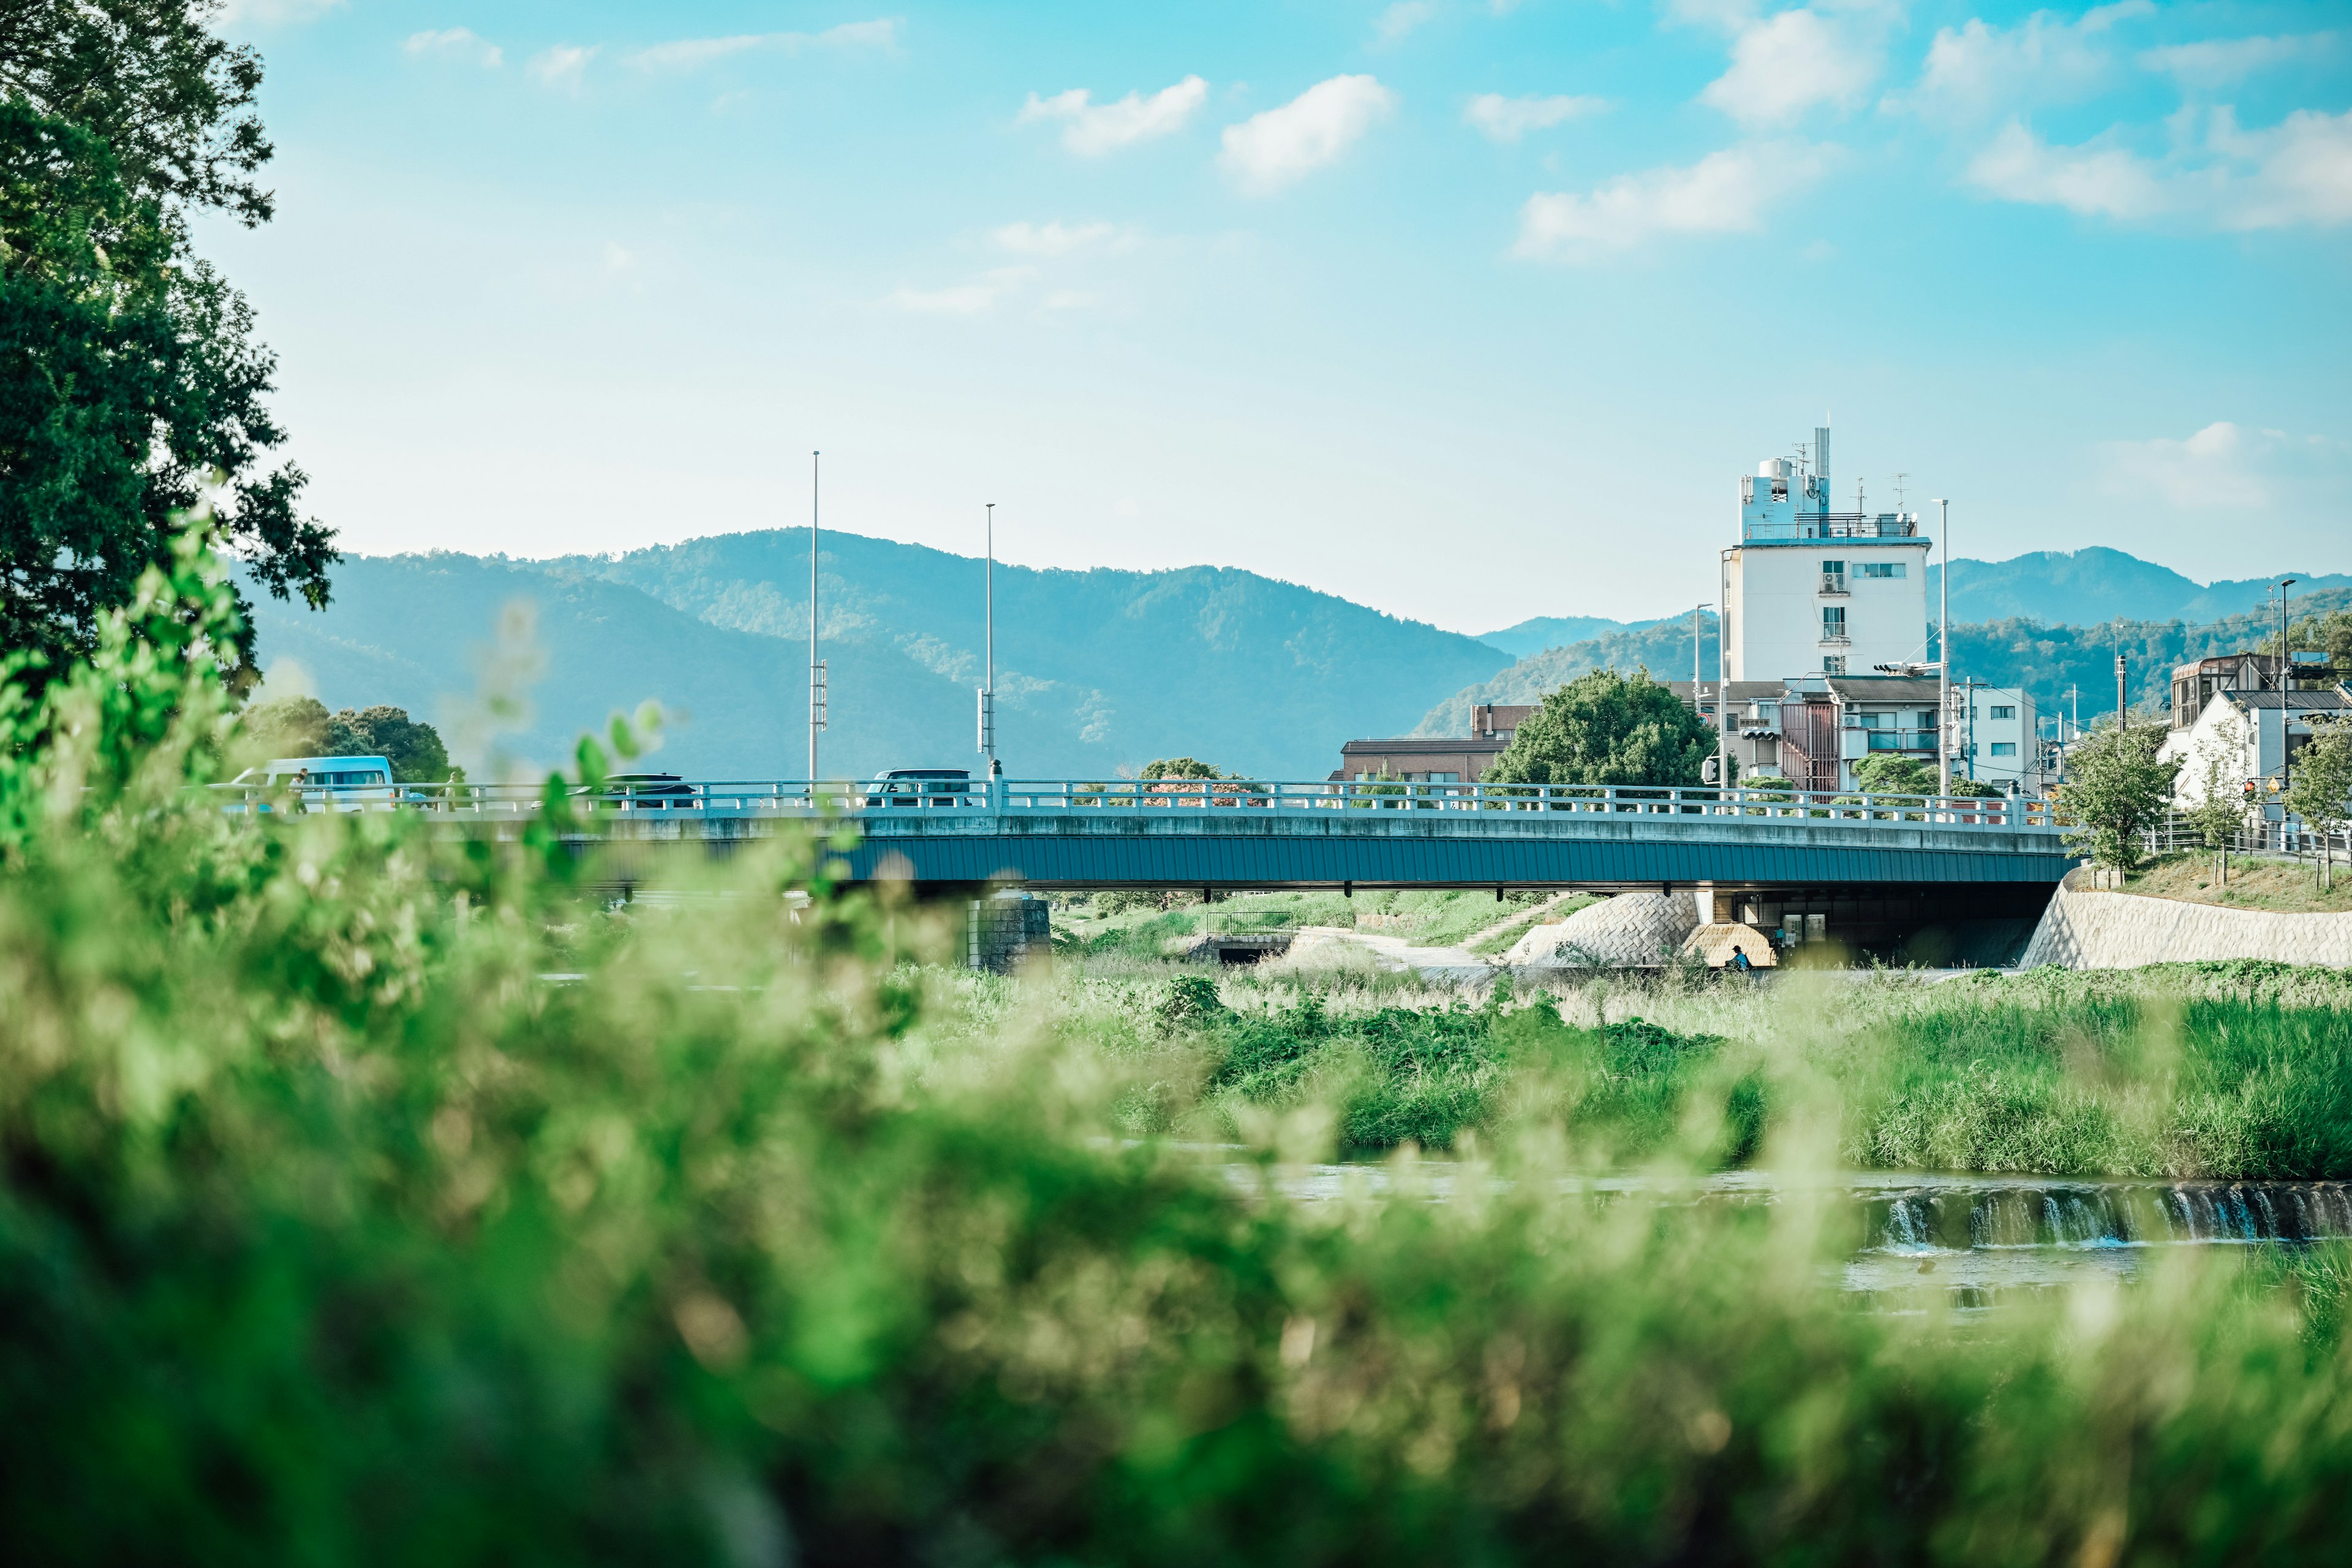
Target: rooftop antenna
1857	497
1898	491
1804	457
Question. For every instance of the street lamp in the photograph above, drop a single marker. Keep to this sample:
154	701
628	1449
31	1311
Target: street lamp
1944	651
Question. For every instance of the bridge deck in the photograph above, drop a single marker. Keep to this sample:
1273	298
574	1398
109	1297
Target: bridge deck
1236	834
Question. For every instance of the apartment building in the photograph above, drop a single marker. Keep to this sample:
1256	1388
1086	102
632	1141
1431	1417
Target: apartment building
1810	590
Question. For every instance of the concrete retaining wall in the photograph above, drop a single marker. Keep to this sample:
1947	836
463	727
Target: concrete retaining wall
2123	931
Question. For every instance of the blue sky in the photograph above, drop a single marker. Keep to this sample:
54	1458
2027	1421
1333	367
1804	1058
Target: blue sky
1471	310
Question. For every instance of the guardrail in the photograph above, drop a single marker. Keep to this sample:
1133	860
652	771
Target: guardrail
869	799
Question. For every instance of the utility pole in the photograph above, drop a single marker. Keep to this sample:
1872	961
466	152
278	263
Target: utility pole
1944	651
816	665
2284	584
1724	776
1698	689
988	690
2123	714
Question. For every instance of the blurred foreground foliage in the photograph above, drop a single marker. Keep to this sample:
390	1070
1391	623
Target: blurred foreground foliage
369	1197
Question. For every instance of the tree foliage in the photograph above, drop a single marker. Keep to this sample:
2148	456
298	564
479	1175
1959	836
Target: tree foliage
132	386
2319	785
1180	768
2115	789
1890	772
1603	728
301	727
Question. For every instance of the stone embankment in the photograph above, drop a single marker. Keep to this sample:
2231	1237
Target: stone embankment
2082	929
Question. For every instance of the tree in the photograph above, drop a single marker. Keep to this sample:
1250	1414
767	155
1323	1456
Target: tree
301	727
2320	790
131	383
1889	772
288	726
1607	729
2115	789
2220	808
414	750
1180	768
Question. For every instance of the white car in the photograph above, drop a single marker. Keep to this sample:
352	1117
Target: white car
326	783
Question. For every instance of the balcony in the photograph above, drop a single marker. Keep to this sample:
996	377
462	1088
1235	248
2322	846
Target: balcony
1834	583
1834	525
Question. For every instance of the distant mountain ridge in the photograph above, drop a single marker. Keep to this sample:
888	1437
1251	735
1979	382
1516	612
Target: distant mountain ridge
2060	665
2080	587
1096	670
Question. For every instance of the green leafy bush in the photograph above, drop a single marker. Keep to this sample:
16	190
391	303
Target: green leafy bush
371	1196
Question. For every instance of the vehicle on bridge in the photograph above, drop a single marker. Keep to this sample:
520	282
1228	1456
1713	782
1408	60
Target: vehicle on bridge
322	784
645	791
936	788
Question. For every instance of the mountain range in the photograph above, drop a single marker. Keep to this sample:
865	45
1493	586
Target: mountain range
2060	665
1096	670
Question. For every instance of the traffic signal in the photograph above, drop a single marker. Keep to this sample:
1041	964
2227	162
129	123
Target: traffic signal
2250	789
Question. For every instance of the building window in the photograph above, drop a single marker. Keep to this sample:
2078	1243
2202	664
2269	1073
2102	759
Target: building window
1875	721
1832	568
1833	665
2004	748
2008	712
1834	623
1885	568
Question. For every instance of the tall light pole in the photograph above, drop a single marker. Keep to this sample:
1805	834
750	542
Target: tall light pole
988	689
1698	668
1724	776
1944	651
2284	584
816	665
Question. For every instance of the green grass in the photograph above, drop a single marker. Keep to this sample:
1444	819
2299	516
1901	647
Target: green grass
2222	1070
331	1230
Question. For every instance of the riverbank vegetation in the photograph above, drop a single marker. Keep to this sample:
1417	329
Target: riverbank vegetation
371	1197
2223	1070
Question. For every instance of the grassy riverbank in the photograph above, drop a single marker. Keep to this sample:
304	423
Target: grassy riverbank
369	1196
2210	1070
2253	882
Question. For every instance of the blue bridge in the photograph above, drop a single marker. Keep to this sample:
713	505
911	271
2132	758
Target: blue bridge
1223	835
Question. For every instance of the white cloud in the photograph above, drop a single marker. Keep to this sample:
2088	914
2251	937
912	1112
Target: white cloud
1724	192
2217	62
1508	119
616	258
2109	180
1094	128
693	54
976	298
1785	65
1401	19
1269	151
276	11
2225	466
1979	70
2296	172
454	44
1058	239
561	66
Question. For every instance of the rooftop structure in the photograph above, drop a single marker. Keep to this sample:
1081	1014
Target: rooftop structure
1809	591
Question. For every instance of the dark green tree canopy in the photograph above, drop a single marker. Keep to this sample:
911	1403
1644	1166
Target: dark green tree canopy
1180	768
1608	729
131	387
301	727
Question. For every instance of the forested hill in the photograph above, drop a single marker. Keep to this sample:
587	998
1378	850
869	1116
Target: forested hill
1094	670
2046	660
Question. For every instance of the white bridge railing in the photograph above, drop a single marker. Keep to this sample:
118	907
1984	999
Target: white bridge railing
1056	797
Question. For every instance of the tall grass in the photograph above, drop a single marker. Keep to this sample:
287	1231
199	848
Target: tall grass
332	1230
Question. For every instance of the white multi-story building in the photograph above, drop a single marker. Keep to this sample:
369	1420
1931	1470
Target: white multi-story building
1998	734
1810	591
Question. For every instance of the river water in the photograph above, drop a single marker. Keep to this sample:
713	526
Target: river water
1977	1236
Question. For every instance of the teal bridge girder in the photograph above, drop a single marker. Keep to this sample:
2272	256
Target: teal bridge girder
1241	833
